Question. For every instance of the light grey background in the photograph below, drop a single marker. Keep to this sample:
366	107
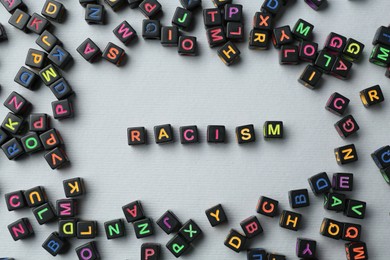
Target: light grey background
158	86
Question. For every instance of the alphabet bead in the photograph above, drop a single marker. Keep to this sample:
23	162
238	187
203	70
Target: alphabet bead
12	123
89	50
55	245
88	251
288	54
372	96
306	248
177	246
355	209
229	53
169	36
212	17
85	2
150	251
44	213
356	251
273	129
125	32
335	43
346	154
325	61
53	10
49	75
351	232
136	135
143	228
133	211
114	54
267	207
308	51
62	109
346	126
51	139
20	229
115	4
182	18
353	50
188	46
66	208
233	13
382	36
282	36
341	68
169	222
86	229
272	6
114	229
36	59
334	201
245	134
59	57
303	30
386	174
74	187
31	143
16	103
331	228
26	78
259	39
299	198
342	182
256	253
190	231
37	24
94	14
251	227
235	31
11	6
381	157
380	55
235	241
151	29
3	137
315	4
310	77
15	200
12	149
61	89
67	227
262	21
35	196
320	183
216	134
56	158
337	104
216	36
19	19
150	8
163	134
189	134
290	220
216	215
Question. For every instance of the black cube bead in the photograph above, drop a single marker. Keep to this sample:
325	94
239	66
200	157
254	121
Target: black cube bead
216	215
337	104
151	29
15	200
114	229
133	211
190	231
299	198
21	229
37	24
372	96
143	228
310	77
125	32
346	154
320	183
189	134
44	213
89	50
245	134
347	126
251	227
94	14
55	245
169	222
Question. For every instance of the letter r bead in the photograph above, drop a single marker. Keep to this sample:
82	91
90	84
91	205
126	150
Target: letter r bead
136	135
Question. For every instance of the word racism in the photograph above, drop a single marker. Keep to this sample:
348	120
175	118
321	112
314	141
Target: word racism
215	133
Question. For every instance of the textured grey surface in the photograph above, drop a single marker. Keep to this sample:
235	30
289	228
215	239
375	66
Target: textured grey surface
158	86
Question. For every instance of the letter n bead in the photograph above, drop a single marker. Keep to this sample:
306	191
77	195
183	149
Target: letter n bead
16	103
251	227
320	183
55	245
94	14
114	229
216	215
169	222
229	53
356	251
136	135
21	229
150	251
143	228
346	154
177	246
235	241
337	104
306	248
372	96
88	251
